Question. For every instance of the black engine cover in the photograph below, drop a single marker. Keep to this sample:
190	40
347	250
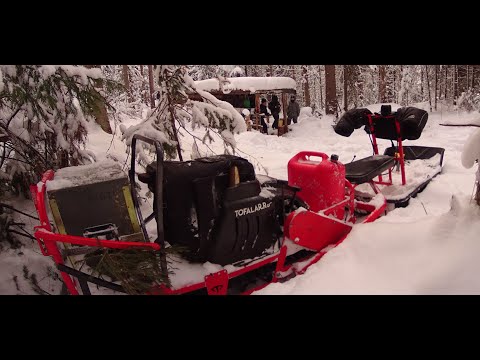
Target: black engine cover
215	222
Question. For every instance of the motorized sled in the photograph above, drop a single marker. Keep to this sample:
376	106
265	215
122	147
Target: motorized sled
215	226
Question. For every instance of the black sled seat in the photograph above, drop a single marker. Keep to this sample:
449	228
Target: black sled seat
365	170
418	152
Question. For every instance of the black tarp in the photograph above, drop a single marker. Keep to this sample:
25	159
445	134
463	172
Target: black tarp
411	119
412	122
351	120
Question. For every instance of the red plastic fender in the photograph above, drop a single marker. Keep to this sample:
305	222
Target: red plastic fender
314	231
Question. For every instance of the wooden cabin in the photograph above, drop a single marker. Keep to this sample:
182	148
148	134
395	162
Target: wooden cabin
247	92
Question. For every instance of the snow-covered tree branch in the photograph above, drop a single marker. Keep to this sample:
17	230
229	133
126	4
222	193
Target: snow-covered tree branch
43	114
174	109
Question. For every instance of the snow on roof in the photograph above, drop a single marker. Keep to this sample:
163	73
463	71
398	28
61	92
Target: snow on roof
86	174
251	84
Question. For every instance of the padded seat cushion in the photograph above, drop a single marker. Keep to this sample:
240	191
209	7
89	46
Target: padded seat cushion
364	170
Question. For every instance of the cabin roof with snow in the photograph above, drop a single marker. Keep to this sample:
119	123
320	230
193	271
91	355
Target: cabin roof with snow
249	85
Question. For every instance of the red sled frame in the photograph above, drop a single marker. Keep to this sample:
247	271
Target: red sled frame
400	156
215	283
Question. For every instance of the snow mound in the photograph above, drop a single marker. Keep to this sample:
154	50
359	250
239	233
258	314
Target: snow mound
463	118
305	112
308	123
425	257
424	105
471	150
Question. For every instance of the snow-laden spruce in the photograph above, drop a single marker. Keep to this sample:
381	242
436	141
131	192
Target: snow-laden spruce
174	106
44	111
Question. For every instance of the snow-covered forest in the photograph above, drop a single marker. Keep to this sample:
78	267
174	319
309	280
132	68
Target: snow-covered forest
56	116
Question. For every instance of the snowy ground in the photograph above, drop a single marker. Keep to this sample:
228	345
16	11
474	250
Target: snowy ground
429	247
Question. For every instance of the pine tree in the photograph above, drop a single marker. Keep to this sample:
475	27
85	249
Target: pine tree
44	111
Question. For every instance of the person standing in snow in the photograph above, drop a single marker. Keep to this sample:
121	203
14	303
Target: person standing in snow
263	114
274	107
293	110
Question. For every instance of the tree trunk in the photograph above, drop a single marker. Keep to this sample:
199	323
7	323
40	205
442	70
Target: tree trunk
293	75
395	92
306	86
292	72
468	78
126	82
330	90
421	82
246	70
322	106
455	84
100	109
360	88
428	88
446	83
345	86
144	93
436	86
474	67
270	70
389	83
151	86
462	77
382	85
440	69
477	194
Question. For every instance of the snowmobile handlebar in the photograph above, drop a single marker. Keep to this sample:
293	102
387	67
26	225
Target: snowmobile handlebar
158	186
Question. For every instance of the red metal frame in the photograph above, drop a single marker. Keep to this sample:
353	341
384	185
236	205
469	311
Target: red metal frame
48	240
400	158
201	285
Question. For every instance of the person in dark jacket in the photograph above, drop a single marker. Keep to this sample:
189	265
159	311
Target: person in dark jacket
274	107
293	110
263	114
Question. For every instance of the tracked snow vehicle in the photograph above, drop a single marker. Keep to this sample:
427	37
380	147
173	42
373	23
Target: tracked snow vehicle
237	231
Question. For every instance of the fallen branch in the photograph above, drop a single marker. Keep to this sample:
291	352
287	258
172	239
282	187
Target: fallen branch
2	205
22	234
459	125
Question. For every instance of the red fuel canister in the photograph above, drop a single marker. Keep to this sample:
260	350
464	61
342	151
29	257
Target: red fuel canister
321	180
